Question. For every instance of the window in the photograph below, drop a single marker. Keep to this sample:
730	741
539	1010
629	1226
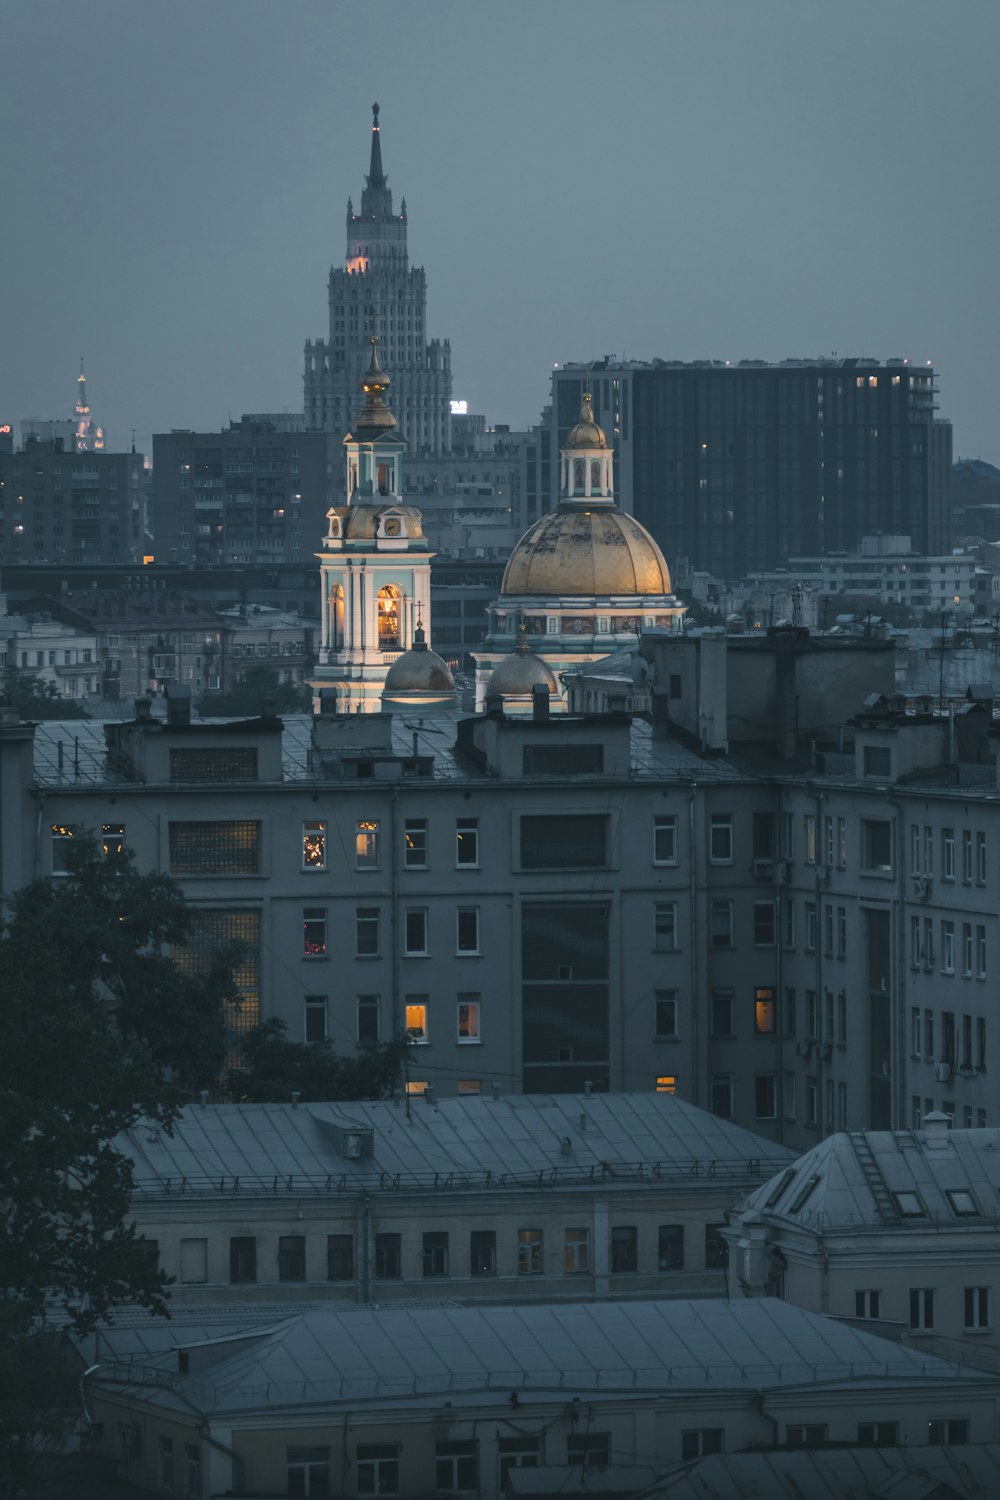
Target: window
112	839
876	846
483	1252
922	1307
192	1464
340	1257
789	923
588	1450
716	1249
828	930
963	1204
807	1436
666	1083
812	1101
670	1247
367	920
315	1018
467	841
722	1095
230	848
980	951
828	840
721	924
194	1262
519	1452
456	1465
366	845
564	843
980	859
242	1258
314	932
809	829
378	1468
812	927
468	1018
664	839
841	931
866	1304
416	1019
167	1462
786	829
967	860
666	1015
624	1248
415	931
62	837
765	1096
308	1470
977	1308
764	924
469	1086
763	835
576	1251
876	760
435	1253
529	1252
415	843
765	1012
665	926
948	1432
928	947
980	1042
720	846
947	947
696	1442
313	846
467	929
387	1256
947	854
291	1257
213	765
722	1012
369	1029
788	1095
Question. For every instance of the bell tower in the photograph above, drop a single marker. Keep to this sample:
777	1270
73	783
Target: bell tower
375	566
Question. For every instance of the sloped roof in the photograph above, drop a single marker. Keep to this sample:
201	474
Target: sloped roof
966	1473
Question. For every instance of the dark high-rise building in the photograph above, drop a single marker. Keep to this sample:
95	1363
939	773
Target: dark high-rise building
250	494
57	505
378	291
734	468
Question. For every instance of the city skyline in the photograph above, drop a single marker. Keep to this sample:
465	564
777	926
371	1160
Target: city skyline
691	182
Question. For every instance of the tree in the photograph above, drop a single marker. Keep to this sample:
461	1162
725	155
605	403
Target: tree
254	686
100	1031
34	698
272	1068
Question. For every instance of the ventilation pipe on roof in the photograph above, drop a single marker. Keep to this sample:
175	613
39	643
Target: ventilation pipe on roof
496	1090
296	1096
936	1127
203	1096
566	1146
588	1087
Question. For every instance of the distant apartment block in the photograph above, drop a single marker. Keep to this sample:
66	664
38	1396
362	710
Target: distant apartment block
60	506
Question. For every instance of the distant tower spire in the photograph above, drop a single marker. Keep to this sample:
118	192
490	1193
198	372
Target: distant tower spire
81	436
376	176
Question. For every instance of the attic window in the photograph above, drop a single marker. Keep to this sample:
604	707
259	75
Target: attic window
803	1194
910	1206
782	1183
963	1204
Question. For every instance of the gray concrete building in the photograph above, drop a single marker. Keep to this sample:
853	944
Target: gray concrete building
60	506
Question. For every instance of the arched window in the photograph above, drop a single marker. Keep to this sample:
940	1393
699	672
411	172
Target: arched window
336	617
595	476
388	618
579	475
383	479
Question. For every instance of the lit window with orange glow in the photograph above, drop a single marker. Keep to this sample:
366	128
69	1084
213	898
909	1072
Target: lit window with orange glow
63	835
417	1087
356	265
765	1012
112	839
416	1022
366	845
314	846
666	1083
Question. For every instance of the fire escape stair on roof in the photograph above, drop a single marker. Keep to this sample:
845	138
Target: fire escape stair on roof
884	1201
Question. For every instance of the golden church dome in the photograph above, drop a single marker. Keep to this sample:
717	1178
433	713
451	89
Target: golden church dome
419	670
374	420
586	549
517	674
586	433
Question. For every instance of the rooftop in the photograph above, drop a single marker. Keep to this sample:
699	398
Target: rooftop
470	1143
338	1357
916	1179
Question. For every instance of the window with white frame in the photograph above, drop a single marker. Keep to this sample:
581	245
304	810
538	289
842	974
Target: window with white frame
666	1015
947	854
698	1442
967	856
980	859
980	950
366	844
415	843
416	1011
947	946
467	842
367	921
977	1308
314	845
922	1307
665	926
63	835
468	1018
467	929
315	1018
720	848
867	1303
664	839
764	924
415	931
377	1467
314	932
721	924
369	1009
576	1251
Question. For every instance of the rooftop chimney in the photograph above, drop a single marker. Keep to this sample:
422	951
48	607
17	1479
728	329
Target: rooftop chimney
936	1128
540	702
178	704
144	709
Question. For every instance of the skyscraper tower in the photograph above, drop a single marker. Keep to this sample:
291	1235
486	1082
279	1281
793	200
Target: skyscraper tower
88	435
378	292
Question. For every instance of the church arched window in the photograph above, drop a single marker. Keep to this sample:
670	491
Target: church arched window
595	476
388	618
579	475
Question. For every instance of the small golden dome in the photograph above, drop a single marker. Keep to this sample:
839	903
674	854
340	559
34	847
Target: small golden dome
586	433
586	551
361	522
374	419
517	674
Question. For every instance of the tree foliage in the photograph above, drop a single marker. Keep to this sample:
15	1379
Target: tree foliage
255	685
273	1068
34	698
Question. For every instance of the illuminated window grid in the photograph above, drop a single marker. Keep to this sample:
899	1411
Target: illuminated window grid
230	848
235	935
232	764
314	845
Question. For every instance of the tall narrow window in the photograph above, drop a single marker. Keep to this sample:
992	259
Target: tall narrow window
468	1018
368	1018
415	843
367	923
416	1019
314	846
314	932
665	839
467	841
415	931
112	839
665	925
467	929
315	1018
366	845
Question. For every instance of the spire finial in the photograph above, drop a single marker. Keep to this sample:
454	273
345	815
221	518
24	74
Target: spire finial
375	116
376	176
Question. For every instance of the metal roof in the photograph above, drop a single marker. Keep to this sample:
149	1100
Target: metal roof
462	1143
858	1180
972	1473
340	1356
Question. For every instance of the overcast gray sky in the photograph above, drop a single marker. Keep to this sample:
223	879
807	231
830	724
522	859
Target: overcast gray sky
685	178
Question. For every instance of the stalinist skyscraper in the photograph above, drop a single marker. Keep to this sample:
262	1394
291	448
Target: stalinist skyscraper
378	292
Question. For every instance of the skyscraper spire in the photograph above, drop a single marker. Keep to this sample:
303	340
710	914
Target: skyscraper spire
376	176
